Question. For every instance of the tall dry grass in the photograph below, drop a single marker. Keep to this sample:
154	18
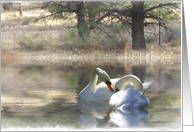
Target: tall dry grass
51	40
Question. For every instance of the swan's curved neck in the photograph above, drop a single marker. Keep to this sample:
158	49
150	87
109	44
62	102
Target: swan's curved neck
129	79
94	80
89	89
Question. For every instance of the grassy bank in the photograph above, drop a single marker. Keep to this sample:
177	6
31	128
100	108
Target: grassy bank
52	41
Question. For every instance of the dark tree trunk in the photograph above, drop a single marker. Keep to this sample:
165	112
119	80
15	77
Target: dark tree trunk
91	6
138	40
81	21
91	9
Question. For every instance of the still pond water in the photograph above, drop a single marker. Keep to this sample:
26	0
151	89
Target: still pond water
44	95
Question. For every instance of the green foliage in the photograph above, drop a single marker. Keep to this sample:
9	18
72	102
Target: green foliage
84	28
117	4
149	4
31	43
114	29
170	15
53	6
70	35
93	25
165	13
52	9
95	11
121	26
117	27
94	17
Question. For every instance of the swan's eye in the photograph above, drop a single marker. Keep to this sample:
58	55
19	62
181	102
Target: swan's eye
108	82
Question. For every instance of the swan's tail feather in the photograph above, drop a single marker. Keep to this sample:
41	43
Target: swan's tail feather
147	86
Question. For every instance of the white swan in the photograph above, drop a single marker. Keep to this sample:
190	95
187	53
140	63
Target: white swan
102	91
129	98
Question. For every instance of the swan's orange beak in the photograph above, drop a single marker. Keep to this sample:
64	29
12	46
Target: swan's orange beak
110	87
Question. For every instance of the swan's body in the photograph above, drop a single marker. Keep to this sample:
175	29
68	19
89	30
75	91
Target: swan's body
129	98
102	91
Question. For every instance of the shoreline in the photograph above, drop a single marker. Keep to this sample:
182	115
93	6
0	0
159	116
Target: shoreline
38	57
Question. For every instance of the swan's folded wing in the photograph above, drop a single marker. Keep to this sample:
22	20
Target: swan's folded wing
142	101
147	85
101	93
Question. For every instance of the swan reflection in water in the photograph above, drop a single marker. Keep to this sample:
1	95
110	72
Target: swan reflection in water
133	118
96	101
100	116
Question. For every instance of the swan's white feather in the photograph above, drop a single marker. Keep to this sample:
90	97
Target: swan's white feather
127	99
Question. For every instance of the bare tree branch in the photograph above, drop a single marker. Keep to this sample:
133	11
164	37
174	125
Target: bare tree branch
52	15
161	5
102	17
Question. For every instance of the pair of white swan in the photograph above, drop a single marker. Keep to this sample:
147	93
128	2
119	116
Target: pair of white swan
121	96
